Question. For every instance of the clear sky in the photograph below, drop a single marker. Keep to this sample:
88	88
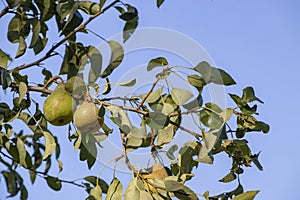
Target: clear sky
258	43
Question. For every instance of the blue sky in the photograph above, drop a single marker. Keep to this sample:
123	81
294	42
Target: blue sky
258	43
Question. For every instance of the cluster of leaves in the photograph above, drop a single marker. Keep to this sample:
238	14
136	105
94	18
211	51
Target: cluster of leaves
161	110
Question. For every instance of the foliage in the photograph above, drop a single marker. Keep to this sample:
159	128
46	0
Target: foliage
161	111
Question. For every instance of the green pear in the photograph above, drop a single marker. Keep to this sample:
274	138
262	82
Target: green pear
86	118
59	107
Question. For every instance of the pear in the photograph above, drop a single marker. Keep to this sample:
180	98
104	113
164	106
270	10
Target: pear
59	106
86	118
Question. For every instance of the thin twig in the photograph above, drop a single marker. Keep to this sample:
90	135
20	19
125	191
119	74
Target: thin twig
147	95
127	162
80	28
196	135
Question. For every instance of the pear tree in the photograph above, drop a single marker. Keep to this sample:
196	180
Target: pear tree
63	97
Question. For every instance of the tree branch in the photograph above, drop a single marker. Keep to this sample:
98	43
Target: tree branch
148	94
196	135
80	28
42	173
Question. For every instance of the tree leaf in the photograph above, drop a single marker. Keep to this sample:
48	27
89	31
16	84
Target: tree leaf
249	95
153	97
129	28
93	180
249	195
172	185
157	62
21	151
95	58
22	47
210	138
22	91
158	120
214	75
128	83
181	96
89	7
228	178
54	183
4	58
115	190
36	24
50	144
210	119
107	86
170	152
117	55
196	81
255	160
159	3
144	195
96	193
132	192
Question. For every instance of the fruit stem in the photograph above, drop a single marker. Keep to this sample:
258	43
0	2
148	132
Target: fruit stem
52	79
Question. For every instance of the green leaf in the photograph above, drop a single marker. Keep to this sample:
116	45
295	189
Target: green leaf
172	185
204	155
129	28
228	178
158	120
129	83
214	75
123	120
22	152
95	58
144	195
132	192
22	91
159	3
165	135
60	165
24	193
185	156
89	7
196	103
117	55
153	97
249	95
36	24
50	144
54	183
115	190
170	152
227	113
211	119
210	138
186	194
157	62
130	14
249	195
4	58
181	96
22	47
196	81
93	180
255	160
96	193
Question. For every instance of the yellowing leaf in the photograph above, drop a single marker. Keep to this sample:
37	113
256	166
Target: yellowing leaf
50	144
181	96
22	91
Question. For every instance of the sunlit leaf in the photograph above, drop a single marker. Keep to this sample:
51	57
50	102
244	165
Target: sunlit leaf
22	91
96	193
132	192
154	96
50	144
170	152
228	178
4	58
22	47
128	83
93	180
89	7
249	195
115	190
181	96
22	151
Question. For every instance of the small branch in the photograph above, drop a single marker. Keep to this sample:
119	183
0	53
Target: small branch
119	98
33	88
129	165
4	11
148	94
196	135
42	173
80	28
52	79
